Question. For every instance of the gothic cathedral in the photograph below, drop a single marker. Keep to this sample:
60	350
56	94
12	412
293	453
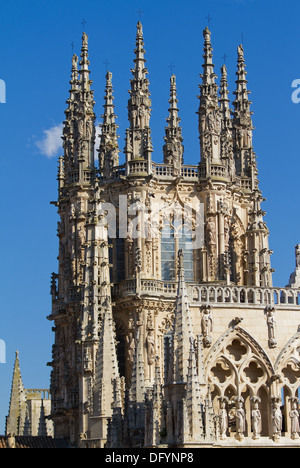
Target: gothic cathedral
168	329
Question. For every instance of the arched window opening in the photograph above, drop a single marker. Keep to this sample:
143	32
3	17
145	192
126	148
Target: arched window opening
168	254
175	237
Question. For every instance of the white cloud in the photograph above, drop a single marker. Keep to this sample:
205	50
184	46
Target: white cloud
51	143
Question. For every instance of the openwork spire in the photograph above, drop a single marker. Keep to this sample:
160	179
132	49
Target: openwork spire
242	124
224	100
69	124
84	63
138	137
173	148
79	131
209	113
226	127
209	85
242	113
109	149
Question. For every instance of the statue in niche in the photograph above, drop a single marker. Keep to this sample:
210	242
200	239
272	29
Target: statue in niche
294	415
256	418
81	241
130	342
72	212
142	117
207	323
131	346
211	232
271	323
276	418
81	128
210	204
223	417
240	418
150	346
89	129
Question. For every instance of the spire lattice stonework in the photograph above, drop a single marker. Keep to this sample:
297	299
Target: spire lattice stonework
138	144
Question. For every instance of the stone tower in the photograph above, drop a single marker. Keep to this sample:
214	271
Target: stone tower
168	329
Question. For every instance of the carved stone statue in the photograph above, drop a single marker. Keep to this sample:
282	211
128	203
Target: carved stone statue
150	347
276	418
294	415
240	419
207	323
271	322
256	418
223	418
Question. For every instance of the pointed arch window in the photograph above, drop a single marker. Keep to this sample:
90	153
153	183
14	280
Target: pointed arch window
176	236
168	253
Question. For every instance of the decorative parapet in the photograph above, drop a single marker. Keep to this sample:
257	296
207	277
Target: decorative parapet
213	294
159	170
242	295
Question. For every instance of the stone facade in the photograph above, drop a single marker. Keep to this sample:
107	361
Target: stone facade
168	330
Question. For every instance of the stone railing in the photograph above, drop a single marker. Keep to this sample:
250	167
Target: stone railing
212	294
164	171
137	167
244	295
216	171
146	287
140	167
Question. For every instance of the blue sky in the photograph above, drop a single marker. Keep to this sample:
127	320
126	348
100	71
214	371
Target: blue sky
35	51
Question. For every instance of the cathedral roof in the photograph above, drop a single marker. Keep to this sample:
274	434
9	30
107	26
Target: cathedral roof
33	442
